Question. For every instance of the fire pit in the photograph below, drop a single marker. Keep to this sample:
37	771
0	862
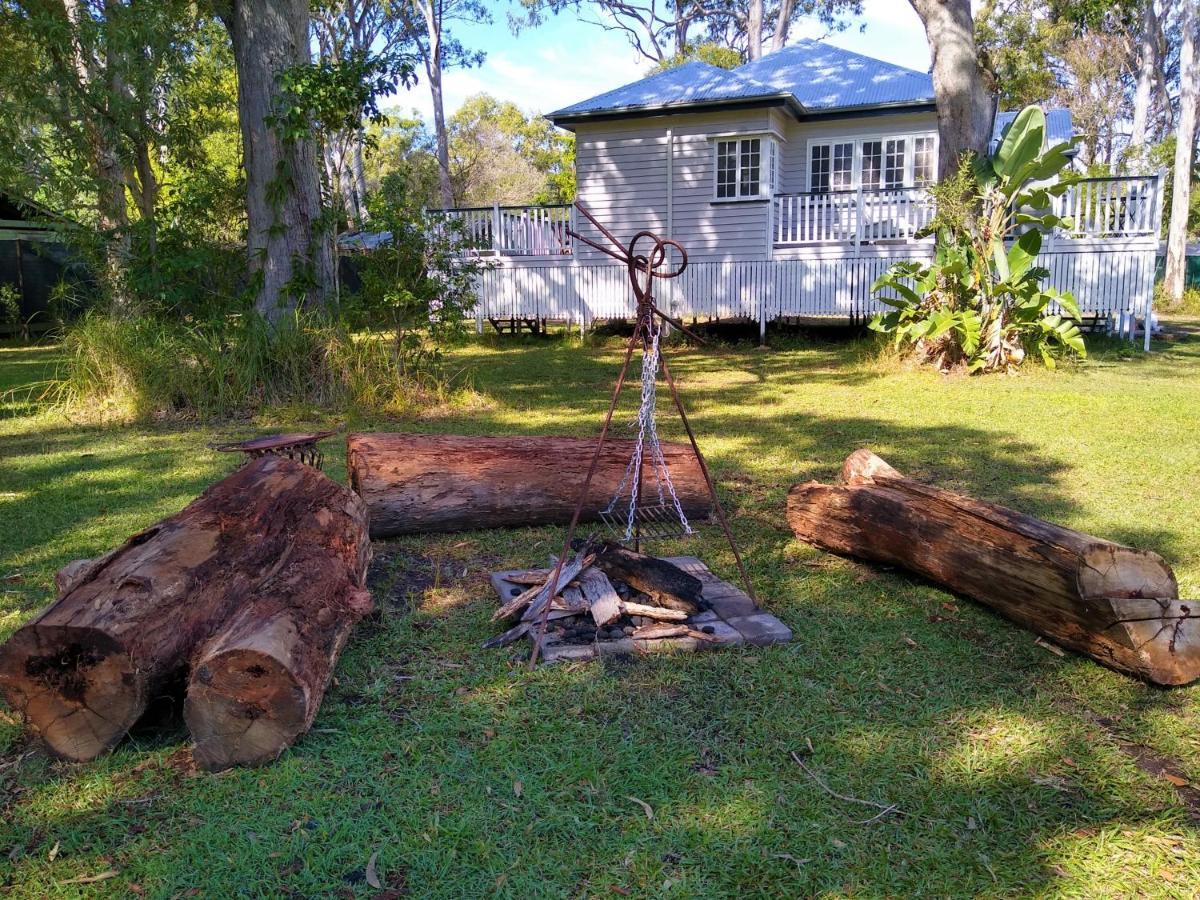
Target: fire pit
615	601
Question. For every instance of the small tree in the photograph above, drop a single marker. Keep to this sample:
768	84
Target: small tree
982	301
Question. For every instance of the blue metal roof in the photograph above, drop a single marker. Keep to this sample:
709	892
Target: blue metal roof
1058	127
808	74
691	83
823	77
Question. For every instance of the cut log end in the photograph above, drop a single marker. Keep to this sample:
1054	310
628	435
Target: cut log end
244	707
77	688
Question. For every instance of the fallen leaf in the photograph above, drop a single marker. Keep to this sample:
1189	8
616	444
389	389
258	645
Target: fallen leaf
1166	874
373	873
489	733
911	642
54	852
518	788
14	578
1070	762
839	845
1174	779
644	805
91	879
616	889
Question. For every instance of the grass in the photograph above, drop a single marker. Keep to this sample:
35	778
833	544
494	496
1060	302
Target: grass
1015	770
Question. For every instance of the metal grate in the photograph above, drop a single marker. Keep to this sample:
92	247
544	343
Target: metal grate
658	520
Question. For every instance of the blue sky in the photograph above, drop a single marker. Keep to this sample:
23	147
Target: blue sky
566	60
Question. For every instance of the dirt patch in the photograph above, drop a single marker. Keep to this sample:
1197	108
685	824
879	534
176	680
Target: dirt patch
1153	763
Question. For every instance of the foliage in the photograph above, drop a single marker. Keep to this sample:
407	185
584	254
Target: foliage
403	146
981	301
497	153
10	304
153	368
706	52
417	285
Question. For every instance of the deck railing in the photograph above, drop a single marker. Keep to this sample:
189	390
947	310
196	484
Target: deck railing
1111	207
840	217
514	230
1096	208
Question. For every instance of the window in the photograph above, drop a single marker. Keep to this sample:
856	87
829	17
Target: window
872	165
923	160
875	163
819	169
750	170
726	169
740	168
893	164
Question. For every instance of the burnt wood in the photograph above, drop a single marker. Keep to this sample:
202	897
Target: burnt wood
1116	604
667	584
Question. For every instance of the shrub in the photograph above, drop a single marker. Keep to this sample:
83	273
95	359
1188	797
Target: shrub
981	302
137	369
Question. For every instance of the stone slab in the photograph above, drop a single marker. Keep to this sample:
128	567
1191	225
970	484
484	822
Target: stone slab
762	629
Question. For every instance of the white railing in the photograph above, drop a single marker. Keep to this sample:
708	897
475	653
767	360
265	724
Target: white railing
514	230
851	216
1111	207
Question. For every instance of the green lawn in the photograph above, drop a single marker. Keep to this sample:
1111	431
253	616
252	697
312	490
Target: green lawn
1015	771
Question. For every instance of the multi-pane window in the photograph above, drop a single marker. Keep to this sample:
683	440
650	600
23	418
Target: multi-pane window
893	164
726	169
750	167
740	168
818	169
923	161
872	165
843	166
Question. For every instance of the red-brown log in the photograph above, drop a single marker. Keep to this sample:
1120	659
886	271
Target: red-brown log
256	686
423	482
126	625
1116	604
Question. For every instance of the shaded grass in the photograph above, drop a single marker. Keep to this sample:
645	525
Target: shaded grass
893	690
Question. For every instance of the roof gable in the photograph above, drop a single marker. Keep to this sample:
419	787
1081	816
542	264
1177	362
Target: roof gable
823	77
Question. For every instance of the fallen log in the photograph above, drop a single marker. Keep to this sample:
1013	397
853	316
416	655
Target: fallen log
422	482
1118	605
126	625
257	684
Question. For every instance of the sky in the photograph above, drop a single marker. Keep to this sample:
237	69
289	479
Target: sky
566	60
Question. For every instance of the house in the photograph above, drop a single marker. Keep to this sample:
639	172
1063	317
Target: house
34	261
792	181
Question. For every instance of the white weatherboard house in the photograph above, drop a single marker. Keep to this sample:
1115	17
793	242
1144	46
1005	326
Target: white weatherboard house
792	182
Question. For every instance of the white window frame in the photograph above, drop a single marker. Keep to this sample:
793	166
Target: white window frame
769	165
910	156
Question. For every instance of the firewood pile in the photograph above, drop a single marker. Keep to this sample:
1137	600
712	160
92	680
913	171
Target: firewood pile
613	600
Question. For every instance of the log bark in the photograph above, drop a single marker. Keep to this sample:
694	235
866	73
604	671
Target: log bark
421	482
1118	605
258	682
125	625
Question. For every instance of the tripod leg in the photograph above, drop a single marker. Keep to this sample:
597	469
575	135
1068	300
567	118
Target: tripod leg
583	494
712	491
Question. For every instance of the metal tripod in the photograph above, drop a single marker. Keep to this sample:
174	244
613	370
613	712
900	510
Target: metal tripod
643	268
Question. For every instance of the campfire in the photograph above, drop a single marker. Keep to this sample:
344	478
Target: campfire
614	600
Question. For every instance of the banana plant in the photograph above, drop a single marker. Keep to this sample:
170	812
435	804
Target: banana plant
982	299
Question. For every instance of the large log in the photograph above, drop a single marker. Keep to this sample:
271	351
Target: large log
1118	605
257	684
125	625
423	482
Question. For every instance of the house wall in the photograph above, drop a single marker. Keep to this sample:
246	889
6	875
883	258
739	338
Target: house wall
622	179
622	169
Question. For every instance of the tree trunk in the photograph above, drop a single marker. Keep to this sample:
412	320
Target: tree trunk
1146	76
432	47
125	625
964	109
1118	605
754	30
288	245
783	24
417	482
257	684
1185	141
